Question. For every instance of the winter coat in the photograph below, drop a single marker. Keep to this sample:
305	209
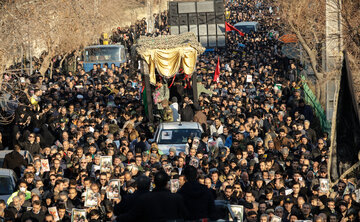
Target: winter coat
33	148
157	206
198	200
14	161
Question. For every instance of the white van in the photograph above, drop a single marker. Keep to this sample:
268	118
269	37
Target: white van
247	27
175	134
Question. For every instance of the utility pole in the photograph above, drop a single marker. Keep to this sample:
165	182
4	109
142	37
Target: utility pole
30	58
333	51
150	22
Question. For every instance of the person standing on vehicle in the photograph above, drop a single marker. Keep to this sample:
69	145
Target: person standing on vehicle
160	94
14	161
187	111
167	115
175	108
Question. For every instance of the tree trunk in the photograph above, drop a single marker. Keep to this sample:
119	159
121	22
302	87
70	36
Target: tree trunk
62	61
45	65
51	68
309	52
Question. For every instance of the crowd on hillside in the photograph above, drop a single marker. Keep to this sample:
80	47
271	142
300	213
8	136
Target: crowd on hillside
88	137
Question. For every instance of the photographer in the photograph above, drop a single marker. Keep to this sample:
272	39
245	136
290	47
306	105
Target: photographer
187	111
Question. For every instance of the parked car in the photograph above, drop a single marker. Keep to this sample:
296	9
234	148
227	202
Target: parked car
224	212
8	181
175	134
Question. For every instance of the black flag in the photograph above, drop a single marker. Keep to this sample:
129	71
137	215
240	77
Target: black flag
347	135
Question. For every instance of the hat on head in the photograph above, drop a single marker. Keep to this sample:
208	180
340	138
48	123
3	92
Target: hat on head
259	140
269	210
174	99
36	191
284	151
121	165
289	200
153	155
258	178
172	149
222	152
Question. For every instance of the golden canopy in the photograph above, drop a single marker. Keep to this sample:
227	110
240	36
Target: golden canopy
169	53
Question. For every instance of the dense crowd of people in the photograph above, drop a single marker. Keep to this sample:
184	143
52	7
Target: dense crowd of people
258	148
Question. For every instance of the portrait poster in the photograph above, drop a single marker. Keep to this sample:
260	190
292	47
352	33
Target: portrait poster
238	211
78	215
105	164
174	185
91	198
324	185
113	189
45	165
53	211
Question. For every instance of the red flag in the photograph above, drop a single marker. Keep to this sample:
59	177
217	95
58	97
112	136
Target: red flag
217	71
229	27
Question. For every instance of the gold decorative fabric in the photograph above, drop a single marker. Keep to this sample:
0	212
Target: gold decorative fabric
168	53
168	61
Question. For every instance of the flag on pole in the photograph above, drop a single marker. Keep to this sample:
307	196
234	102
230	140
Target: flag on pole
229	27
217	71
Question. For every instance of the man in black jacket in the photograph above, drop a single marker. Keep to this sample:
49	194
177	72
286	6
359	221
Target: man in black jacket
35	214
187	111
158	205
128	202
14	161
198	199
31	145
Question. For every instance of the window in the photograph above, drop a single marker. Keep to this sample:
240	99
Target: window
9	189
177	136
102	54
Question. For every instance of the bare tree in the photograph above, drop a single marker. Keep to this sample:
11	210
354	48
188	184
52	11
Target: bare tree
58	28
306	19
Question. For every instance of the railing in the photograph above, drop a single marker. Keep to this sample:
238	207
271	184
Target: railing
319	112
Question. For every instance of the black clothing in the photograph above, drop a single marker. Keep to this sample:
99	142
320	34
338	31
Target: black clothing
66	218
198	200
14	161
33	148
158	205
187	113
202	147
128	202
34	217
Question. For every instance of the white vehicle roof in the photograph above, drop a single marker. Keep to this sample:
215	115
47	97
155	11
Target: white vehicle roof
180	125
245	23
6	172
4	152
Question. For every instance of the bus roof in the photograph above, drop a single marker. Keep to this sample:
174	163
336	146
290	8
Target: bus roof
246	23
104	46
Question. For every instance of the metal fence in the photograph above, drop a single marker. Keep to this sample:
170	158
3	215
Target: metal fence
319	112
